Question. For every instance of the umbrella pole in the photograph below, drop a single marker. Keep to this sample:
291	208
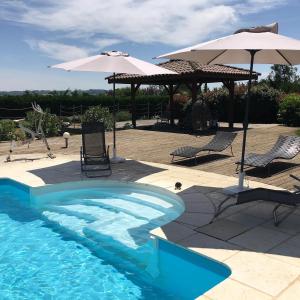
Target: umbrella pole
246	121
115	159
114	116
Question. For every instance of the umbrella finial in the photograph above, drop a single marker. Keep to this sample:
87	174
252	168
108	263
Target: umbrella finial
115	53
258	29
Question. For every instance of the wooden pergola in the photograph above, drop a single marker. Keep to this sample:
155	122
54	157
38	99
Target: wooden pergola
190	74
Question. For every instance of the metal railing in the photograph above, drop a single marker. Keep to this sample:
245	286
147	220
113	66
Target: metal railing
74	112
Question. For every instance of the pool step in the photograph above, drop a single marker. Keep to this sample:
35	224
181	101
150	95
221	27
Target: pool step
133	197
137	210
128	239
120	227
130	251
71	223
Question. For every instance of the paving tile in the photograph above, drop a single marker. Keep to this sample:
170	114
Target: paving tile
195	219
233	290
198	203
223	229
203	297
245	219
210	246
263	210
173	232
289	225
261	272
291	293
288	251
218	196
260	239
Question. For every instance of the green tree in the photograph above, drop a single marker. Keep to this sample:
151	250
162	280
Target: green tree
284	78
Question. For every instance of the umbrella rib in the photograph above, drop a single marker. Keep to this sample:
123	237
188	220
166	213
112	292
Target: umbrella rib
209	62
283	57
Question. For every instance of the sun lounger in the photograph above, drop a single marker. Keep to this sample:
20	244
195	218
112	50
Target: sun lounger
221	141
286	147
94	156
279	197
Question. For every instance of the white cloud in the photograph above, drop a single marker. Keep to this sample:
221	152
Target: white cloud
103	43
177	23
57	51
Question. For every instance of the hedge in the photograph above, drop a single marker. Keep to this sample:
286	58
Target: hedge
54	102
263	108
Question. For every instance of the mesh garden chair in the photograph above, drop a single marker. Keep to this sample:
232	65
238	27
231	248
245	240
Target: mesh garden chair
221	141
281	198
286	147
94	156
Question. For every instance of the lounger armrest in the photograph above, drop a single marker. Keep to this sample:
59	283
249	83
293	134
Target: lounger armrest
295	177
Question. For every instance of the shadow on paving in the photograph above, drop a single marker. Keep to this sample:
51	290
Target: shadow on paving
274	168
204	159
247	227
164	127
130	170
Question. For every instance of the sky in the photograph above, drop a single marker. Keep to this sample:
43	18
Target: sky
38	33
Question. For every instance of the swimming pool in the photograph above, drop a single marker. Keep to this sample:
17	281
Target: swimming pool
90	240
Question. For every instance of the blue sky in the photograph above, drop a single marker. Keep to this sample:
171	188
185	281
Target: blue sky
35	33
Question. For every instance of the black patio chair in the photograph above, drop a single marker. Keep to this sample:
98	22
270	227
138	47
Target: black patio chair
94	156
221	141
280	197
286	147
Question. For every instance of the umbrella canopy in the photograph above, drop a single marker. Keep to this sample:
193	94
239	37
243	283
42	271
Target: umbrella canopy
113	62
247	46
234	49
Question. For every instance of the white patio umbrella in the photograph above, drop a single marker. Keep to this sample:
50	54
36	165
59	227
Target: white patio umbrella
113	62
243	48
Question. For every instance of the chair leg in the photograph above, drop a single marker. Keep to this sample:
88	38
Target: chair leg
275	216
220	210
231	150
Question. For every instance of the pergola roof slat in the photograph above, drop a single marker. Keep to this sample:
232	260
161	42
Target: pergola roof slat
187	71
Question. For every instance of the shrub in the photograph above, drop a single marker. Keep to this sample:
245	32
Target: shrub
289	110
99	114
51	124
123	115
263	106
7	129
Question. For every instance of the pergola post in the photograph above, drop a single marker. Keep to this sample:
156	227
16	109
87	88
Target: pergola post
171	90
230	86
133	90
194	88
171	103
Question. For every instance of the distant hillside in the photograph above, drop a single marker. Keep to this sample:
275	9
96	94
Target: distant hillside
47	92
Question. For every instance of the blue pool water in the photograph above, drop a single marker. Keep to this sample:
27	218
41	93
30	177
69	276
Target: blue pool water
90	240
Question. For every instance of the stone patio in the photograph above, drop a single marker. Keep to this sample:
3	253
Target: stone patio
265	260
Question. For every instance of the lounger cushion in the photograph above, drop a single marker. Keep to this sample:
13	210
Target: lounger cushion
186	151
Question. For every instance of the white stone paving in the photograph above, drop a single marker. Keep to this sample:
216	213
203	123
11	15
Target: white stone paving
265	260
